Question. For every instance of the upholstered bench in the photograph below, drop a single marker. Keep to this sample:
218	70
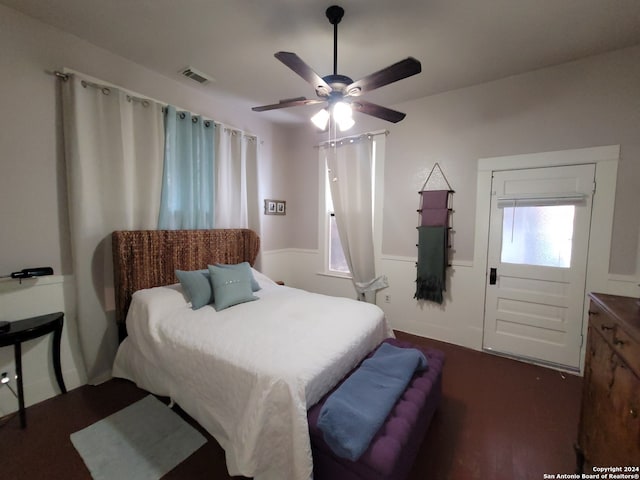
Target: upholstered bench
393	450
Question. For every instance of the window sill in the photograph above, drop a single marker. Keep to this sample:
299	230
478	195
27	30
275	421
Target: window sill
344	276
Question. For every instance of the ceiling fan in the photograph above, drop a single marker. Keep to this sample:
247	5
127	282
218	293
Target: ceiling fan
339	92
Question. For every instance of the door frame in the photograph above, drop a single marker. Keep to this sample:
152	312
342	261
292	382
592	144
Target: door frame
606	160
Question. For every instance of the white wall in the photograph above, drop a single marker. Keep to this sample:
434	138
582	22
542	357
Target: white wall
33	196
591	102
586	103
32	185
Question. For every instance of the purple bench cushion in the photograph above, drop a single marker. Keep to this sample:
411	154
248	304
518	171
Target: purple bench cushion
393	450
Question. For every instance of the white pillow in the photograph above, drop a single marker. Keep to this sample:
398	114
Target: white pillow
262	279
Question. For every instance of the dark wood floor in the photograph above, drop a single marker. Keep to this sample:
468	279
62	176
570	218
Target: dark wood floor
500	419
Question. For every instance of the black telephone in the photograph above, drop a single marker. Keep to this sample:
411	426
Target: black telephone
31	272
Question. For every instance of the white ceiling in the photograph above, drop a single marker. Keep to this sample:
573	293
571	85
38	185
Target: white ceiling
459	42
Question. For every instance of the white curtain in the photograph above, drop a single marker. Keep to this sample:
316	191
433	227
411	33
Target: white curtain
350	164
113	153
236	201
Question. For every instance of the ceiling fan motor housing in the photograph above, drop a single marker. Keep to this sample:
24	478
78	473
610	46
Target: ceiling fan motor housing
338	83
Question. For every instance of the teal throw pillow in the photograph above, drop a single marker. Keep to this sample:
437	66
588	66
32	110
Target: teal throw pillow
230	286
197	286
244	266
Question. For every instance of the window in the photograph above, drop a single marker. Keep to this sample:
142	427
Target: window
334	262
538	235
337	260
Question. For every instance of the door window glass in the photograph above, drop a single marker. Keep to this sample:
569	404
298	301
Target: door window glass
538	235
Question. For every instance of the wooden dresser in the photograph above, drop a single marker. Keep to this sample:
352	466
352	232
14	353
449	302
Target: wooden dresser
609	431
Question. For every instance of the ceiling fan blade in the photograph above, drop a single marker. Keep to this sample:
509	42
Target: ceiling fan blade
289	102
295	63
402	69
377	111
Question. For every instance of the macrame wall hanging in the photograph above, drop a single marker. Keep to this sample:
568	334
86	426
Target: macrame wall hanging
433	236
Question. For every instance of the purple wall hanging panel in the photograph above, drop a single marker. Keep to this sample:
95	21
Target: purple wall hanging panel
435	198
434	217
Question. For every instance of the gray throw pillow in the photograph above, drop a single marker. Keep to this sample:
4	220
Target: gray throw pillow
246	266
197	287
230	286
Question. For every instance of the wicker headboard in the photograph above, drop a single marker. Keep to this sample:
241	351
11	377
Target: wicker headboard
149	258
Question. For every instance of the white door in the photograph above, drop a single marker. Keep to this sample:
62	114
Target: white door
538	244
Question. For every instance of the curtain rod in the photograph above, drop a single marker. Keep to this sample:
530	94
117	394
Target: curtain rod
353	137
64	76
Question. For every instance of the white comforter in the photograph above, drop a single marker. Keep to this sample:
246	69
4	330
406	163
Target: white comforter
249	373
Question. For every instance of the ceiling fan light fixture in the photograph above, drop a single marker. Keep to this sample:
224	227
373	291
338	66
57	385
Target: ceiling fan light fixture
321	119
342	110
345	124
343	115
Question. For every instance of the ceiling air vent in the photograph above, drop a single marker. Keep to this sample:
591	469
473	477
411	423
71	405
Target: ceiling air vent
196	75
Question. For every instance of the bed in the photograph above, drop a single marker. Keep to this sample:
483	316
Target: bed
249	373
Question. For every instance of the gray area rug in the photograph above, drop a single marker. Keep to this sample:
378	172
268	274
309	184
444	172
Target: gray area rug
140	442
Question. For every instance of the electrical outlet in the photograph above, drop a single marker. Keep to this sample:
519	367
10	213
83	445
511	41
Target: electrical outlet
387	298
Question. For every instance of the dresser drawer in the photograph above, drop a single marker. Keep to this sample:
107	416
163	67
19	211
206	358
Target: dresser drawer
627	348
620	341
601	321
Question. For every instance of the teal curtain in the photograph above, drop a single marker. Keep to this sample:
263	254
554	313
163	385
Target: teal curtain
188	181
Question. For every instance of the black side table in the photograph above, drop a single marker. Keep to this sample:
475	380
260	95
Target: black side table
27	329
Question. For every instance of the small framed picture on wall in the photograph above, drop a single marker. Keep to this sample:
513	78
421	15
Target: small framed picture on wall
275	207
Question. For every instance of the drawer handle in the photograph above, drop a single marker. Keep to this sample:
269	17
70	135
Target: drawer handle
605	327
633	412
593	312
617	341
